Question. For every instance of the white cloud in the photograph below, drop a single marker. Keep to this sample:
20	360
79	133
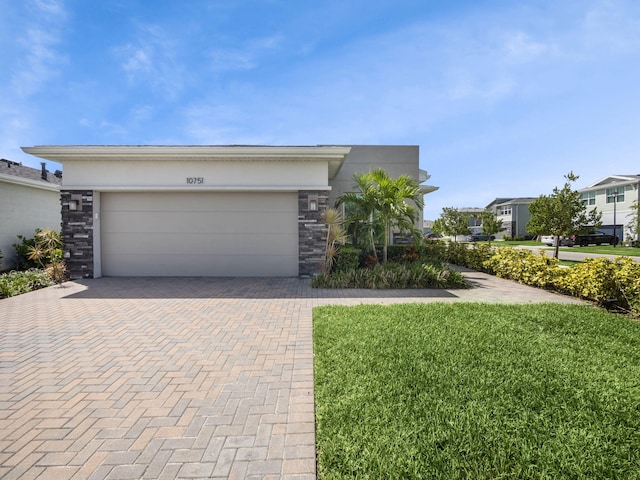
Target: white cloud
39	43
520	48
246	57
153	59
138	61
613	26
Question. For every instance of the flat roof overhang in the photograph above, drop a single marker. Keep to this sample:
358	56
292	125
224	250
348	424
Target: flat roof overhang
333	155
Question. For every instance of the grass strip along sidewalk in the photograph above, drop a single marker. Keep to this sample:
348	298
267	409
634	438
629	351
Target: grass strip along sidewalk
476	391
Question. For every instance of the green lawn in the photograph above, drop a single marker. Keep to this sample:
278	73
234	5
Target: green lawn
515	243
605	249
475	391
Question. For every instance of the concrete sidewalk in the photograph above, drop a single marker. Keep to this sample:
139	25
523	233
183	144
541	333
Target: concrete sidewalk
123	378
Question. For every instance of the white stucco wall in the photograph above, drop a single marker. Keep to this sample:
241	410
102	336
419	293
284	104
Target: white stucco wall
24	208
222	174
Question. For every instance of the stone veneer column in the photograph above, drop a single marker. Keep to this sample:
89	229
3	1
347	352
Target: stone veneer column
77	232
312	232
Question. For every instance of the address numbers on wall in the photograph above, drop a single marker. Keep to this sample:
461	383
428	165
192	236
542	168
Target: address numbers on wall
195	180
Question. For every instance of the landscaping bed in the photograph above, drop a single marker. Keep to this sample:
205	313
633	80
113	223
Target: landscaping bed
19	282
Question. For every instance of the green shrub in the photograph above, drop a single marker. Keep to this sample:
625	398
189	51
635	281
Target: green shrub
44	248
17	282
22	249
348	258
476	256
523	266
393	275
436	249
605	282
457	253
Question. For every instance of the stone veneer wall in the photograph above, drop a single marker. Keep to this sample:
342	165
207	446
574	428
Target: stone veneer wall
312	232
77	233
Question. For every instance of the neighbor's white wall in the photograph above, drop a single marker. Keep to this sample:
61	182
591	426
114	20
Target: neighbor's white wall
236	173
22	210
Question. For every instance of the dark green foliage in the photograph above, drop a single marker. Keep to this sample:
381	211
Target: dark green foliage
473	391
22	249
393	275
348	258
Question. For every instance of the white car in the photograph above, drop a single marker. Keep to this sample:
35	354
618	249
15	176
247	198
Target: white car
551	240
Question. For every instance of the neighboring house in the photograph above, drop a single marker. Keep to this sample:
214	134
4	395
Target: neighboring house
30	199
207	210
613	196
514	213
474	217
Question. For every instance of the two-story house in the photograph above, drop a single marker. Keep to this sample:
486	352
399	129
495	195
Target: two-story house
613	196
514	213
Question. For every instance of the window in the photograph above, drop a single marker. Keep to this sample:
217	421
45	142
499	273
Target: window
588	198
615	195
506	210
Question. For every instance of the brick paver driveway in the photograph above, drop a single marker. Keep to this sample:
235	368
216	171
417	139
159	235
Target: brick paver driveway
120	378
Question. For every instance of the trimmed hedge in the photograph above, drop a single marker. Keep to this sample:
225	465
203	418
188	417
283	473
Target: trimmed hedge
610	283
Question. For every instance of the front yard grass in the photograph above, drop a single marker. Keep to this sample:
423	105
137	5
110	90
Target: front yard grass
605	249
476	391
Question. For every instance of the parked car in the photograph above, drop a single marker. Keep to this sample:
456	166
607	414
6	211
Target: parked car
481	237
551	241
596	237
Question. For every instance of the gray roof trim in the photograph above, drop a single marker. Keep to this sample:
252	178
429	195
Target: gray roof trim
27	182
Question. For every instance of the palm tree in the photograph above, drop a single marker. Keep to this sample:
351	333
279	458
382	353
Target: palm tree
360	210
380	198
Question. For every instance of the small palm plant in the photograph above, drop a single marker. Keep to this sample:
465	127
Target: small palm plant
46	251
336	236
382	204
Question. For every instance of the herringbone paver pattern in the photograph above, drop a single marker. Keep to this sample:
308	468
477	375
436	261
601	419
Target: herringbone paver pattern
126	378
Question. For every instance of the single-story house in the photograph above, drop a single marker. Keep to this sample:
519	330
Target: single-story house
613	196
207	210
30	199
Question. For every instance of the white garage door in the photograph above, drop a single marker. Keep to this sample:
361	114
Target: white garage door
199	234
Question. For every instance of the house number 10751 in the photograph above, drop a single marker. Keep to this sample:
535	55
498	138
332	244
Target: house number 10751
195	180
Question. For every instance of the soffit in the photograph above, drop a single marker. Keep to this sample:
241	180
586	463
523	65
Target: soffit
333	155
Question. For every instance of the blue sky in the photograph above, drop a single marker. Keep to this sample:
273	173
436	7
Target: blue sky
503	97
